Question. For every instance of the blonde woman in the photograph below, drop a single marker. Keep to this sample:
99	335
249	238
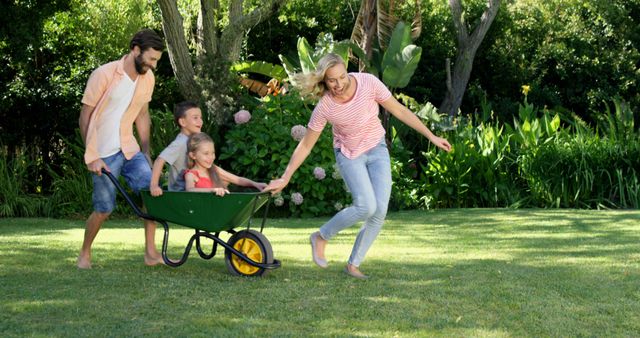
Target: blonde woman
349	102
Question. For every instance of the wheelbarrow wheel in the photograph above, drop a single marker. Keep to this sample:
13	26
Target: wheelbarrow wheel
255	246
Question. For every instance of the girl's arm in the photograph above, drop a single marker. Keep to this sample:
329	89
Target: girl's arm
190	185
226	176
403	114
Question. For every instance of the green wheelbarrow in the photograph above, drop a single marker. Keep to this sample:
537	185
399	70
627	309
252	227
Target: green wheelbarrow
247	252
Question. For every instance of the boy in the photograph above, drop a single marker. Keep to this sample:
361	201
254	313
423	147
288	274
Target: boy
188	117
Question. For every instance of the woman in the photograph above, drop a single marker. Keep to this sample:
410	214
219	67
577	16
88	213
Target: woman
349	101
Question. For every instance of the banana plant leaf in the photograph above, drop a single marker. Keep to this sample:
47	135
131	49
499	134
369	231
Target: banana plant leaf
260	67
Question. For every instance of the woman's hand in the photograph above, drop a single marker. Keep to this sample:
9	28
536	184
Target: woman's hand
276	186
441	143
260	185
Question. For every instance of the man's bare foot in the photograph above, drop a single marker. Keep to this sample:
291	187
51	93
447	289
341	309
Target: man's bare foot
84	262
153	260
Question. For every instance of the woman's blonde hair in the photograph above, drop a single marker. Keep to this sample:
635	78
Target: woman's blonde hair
312	84
193	144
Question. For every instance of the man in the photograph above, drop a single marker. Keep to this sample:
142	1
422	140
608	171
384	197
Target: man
117	96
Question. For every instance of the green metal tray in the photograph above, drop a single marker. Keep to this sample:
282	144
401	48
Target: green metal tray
204	211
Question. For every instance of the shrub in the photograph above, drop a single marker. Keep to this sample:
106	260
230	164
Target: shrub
260	149
583	171
16	177
71	190
478	172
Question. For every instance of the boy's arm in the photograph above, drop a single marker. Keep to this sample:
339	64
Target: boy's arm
154	185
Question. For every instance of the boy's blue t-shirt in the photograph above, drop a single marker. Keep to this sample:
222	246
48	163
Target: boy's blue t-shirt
176	156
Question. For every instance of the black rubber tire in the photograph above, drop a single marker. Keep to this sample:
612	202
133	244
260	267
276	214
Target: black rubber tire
259	249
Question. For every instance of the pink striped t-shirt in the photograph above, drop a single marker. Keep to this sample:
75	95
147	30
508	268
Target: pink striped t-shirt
356	126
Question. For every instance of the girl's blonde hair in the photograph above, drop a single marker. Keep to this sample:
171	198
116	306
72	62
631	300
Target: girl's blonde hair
193	144
312	84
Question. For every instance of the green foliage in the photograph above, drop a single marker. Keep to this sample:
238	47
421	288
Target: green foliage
71	190
261	148
16	177
536	163
300	18
574	53
478	172
309	56
260	67
584	169
401	58
583	173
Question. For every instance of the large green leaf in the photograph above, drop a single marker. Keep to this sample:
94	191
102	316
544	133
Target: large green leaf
342	49
305	53
397	73
287	65
400	38
260	67
360	54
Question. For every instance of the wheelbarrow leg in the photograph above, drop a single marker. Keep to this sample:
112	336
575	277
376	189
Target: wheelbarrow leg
165	243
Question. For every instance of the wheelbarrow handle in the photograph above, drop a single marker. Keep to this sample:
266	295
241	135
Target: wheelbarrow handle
126	196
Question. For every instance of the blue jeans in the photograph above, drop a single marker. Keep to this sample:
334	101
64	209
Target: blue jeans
136	172
368	177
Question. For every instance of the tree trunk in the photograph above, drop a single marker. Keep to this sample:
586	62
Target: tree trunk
467	47
178	50
234	34
215	49
207	32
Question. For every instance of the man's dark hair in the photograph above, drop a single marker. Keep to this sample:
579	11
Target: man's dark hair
181	108
146	39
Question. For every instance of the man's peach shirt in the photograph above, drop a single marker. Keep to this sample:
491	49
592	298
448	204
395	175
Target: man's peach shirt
96	94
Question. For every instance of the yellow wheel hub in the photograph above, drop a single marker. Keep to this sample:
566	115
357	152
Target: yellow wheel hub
252	250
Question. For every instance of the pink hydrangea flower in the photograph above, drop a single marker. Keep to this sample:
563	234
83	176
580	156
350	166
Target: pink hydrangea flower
278	201
242	116
298	132
319	173
296	198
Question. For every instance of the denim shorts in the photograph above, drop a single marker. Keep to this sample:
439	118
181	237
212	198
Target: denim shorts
136	172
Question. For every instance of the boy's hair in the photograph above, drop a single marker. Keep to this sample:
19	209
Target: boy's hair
181	109
146	39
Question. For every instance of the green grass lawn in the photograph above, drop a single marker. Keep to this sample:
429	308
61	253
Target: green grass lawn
472	272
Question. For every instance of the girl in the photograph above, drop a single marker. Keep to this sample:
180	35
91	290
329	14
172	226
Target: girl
203	175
